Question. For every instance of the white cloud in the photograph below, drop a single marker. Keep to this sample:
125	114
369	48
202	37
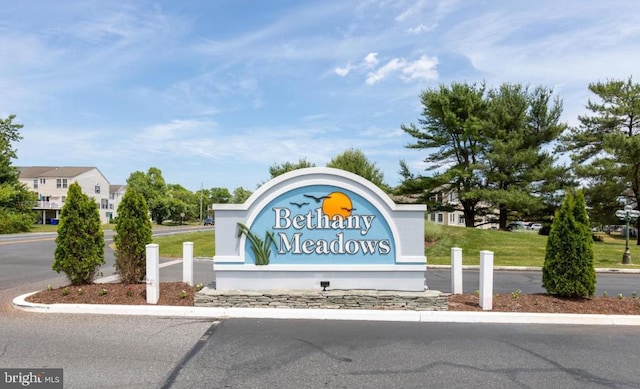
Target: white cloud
175	129
343	71
371	60
296	81
390	67
423	68
418	29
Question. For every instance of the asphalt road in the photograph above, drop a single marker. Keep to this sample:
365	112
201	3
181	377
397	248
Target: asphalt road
95	351
145	352
242	353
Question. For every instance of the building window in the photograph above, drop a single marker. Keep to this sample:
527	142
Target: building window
440	218
433	217
35	184
97	189
452	197
452	218
461	219
64	198
104	204
112	196
110	206
43	180
61	183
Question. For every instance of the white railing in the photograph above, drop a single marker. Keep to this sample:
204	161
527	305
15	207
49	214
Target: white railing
47	205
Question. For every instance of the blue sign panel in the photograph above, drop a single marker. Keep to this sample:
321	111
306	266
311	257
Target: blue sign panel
323	224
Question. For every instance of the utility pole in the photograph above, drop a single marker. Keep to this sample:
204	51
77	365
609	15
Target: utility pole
201	202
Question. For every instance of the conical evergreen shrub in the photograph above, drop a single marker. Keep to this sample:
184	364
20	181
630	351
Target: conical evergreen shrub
568	264
80	242
133	233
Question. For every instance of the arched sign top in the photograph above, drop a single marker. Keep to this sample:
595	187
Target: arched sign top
321	175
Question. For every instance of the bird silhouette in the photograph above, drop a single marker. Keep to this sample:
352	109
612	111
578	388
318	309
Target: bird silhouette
317	199
349	209
300	205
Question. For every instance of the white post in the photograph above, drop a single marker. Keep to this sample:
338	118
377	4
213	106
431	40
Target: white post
456	270
187	263
486	280
153	273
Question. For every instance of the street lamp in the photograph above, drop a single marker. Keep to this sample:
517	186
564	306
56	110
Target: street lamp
628	214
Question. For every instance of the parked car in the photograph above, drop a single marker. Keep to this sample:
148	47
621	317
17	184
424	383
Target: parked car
535	226
208	221
515	226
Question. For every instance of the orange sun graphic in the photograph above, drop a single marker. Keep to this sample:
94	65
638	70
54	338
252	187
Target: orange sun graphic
337	203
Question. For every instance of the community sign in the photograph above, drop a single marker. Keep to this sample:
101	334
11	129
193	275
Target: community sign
319	228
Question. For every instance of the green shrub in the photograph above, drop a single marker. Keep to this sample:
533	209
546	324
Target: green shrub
80	242
133	233
568	264
11	222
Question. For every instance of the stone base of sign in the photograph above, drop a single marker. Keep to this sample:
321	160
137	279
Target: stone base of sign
304	277
429	300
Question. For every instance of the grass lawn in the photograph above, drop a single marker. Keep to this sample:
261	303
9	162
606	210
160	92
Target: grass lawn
518	248
521	248
171	245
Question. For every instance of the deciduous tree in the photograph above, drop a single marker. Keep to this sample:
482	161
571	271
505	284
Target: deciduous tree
240	195
354	161
16	201
154	189
279	169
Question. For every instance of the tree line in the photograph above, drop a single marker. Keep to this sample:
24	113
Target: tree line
497	148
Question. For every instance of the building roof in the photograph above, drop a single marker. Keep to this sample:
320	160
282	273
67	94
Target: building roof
52	171
116	188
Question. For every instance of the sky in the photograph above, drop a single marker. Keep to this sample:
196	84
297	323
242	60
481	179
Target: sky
215	92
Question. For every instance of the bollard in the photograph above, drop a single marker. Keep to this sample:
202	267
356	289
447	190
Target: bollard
486	280
456	270
153	273
187	263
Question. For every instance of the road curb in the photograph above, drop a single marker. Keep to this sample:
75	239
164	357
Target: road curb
329	314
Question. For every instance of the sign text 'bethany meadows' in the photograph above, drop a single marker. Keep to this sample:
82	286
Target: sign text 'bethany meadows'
317	220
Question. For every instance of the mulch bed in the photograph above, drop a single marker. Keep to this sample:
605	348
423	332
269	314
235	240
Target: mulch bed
181	294
171	293
545	303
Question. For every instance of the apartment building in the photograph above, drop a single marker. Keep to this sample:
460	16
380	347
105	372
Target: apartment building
51	184
449	198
